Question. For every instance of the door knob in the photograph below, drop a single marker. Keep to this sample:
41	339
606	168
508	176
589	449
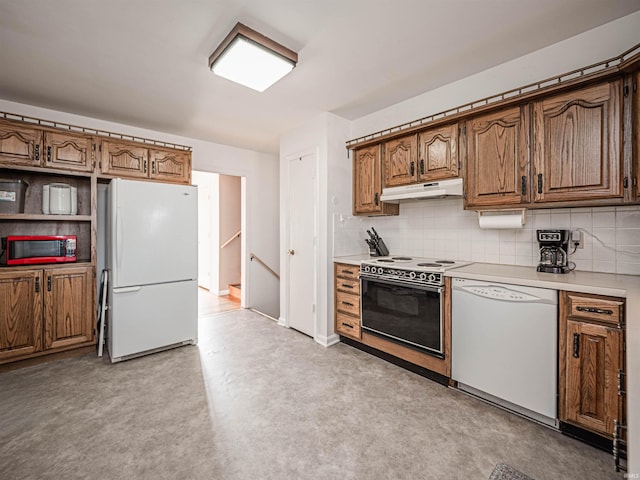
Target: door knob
291	252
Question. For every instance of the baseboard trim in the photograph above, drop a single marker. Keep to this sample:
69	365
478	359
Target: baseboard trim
282	322
327	341
223	292
264	314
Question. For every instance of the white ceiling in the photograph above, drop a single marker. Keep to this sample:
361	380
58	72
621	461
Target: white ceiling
144	62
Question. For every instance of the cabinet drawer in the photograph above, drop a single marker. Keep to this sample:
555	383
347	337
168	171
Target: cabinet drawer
349	326
344	270
348	303
595	308
348	286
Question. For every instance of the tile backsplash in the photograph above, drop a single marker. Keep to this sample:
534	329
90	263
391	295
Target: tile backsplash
441	228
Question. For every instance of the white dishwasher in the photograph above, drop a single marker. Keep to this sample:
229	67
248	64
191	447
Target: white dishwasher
504	345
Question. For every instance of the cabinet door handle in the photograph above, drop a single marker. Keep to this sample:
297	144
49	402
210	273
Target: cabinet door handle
601	311
376	199
413	168
153	167
347	304
48	154
539	183
576	345
422	167
37	284
49	283
144	167
345	285
347	325
523	185
37	152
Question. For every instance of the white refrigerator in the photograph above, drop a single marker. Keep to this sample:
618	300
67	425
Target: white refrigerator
152	258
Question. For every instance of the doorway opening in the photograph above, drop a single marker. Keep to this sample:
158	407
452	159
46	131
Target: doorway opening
220	240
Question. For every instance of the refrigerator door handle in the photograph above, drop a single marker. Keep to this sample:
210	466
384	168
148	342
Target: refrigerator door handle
127	289
119	238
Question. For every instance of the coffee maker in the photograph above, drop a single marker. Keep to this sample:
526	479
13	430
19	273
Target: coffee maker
554	245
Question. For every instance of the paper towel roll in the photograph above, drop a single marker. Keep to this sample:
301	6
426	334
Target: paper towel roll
511	220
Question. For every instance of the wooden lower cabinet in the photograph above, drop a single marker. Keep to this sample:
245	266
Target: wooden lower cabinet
68	307
20	314
45	311
591	357
347	300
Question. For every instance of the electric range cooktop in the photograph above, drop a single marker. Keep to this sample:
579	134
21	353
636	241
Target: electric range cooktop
417	264
408	270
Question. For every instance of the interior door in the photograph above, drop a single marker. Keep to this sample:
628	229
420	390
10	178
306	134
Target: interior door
204	236
301	251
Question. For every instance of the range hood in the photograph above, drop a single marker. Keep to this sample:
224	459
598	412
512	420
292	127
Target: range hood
423	191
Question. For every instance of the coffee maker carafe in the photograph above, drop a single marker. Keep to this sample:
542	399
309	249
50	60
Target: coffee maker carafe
554	245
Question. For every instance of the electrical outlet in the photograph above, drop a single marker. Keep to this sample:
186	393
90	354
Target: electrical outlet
576	239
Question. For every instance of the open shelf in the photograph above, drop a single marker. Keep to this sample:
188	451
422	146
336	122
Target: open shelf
41	217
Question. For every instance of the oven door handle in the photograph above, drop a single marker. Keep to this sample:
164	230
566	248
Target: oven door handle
426	288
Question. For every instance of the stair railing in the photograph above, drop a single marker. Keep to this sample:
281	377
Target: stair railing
231	239
254	256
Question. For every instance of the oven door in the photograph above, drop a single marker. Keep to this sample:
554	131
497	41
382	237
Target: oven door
407	314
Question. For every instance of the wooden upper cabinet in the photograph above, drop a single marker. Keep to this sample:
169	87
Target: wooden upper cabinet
497	148
438	153
400	161
125	159
367	183
577	146
170	165
20	145
68	306
68	151
20	313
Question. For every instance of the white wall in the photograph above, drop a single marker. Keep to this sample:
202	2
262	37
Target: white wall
441	228
324	137
229	224
260	170
593	46
208	241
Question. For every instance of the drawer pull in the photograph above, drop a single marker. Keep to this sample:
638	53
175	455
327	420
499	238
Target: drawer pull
344	285
576	345
348	272
347	304
595	310
347	325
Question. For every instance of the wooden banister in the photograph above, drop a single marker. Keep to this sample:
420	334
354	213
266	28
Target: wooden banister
253	255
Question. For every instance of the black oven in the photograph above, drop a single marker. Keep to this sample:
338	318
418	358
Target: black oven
410	315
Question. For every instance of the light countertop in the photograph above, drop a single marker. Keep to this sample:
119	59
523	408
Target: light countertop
576	281
352	259
626	286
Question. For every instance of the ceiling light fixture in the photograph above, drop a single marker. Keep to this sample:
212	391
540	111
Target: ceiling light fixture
251	59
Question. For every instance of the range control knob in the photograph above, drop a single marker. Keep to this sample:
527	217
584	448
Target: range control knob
423	276
366	268
432	277
412	275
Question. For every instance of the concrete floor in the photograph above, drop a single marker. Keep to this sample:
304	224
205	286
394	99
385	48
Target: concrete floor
257	401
